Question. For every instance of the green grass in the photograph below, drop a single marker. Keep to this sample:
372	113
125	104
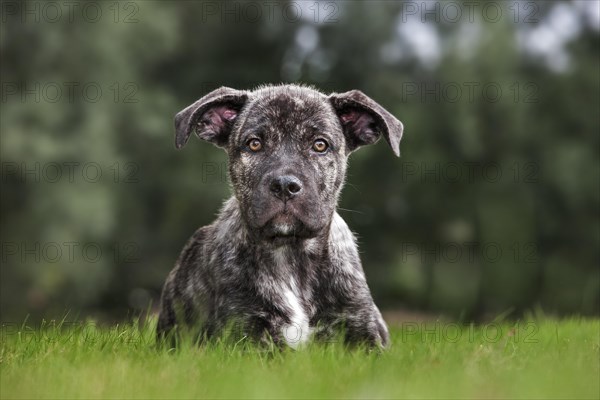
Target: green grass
541	359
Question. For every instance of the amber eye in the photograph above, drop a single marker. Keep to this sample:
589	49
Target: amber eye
320	146
254	144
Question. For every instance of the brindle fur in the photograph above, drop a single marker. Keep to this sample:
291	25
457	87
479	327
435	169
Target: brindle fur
280	270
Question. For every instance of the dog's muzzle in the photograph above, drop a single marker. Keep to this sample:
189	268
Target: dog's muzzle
285	187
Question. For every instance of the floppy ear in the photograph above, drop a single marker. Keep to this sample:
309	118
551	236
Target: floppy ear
212	116
364	121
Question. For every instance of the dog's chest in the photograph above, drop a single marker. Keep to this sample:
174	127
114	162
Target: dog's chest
285	291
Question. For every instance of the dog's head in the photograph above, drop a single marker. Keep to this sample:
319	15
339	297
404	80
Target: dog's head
287	148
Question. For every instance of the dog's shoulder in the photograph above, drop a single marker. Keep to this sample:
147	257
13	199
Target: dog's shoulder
193	249
190	261
343	252
342	242
210	243
207	239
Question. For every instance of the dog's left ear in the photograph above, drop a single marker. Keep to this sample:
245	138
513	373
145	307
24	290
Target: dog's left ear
364	121
212	116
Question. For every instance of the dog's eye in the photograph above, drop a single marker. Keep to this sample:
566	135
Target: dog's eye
320	146
254	144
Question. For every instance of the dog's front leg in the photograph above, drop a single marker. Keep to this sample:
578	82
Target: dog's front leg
354	310
363	324
266	329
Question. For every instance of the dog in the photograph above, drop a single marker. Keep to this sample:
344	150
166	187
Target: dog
279	261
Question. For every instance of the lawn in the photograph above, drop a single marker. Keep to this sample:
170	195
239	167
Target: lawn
536	359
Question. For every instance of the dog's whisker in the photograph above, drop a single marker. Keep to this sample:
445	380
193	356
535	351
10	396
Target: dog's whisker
349	210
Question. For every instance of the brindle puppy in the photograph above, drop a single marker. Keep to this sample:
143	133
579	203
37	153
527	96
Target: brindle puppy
279	261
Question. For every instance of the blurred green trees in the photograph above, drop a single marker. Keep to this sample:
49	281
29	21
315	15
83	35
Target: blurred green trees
493	205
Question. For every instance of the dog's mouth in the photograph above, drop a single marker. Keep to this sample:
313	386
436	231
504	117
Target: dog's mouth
285	227
273	220
284	224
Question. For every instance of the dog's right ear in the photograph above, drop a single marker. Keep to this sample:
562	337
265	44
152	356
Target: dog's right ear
364	121
212	116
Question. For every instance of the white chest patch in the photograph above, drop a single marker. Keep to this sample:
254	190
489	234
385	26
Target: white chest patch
298	330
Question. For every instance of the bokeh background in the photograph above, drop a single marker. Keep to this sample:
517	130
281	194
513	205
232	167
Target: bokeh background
492	209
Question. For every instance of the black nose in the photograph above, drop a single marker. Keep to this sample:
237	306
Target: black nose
285	187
